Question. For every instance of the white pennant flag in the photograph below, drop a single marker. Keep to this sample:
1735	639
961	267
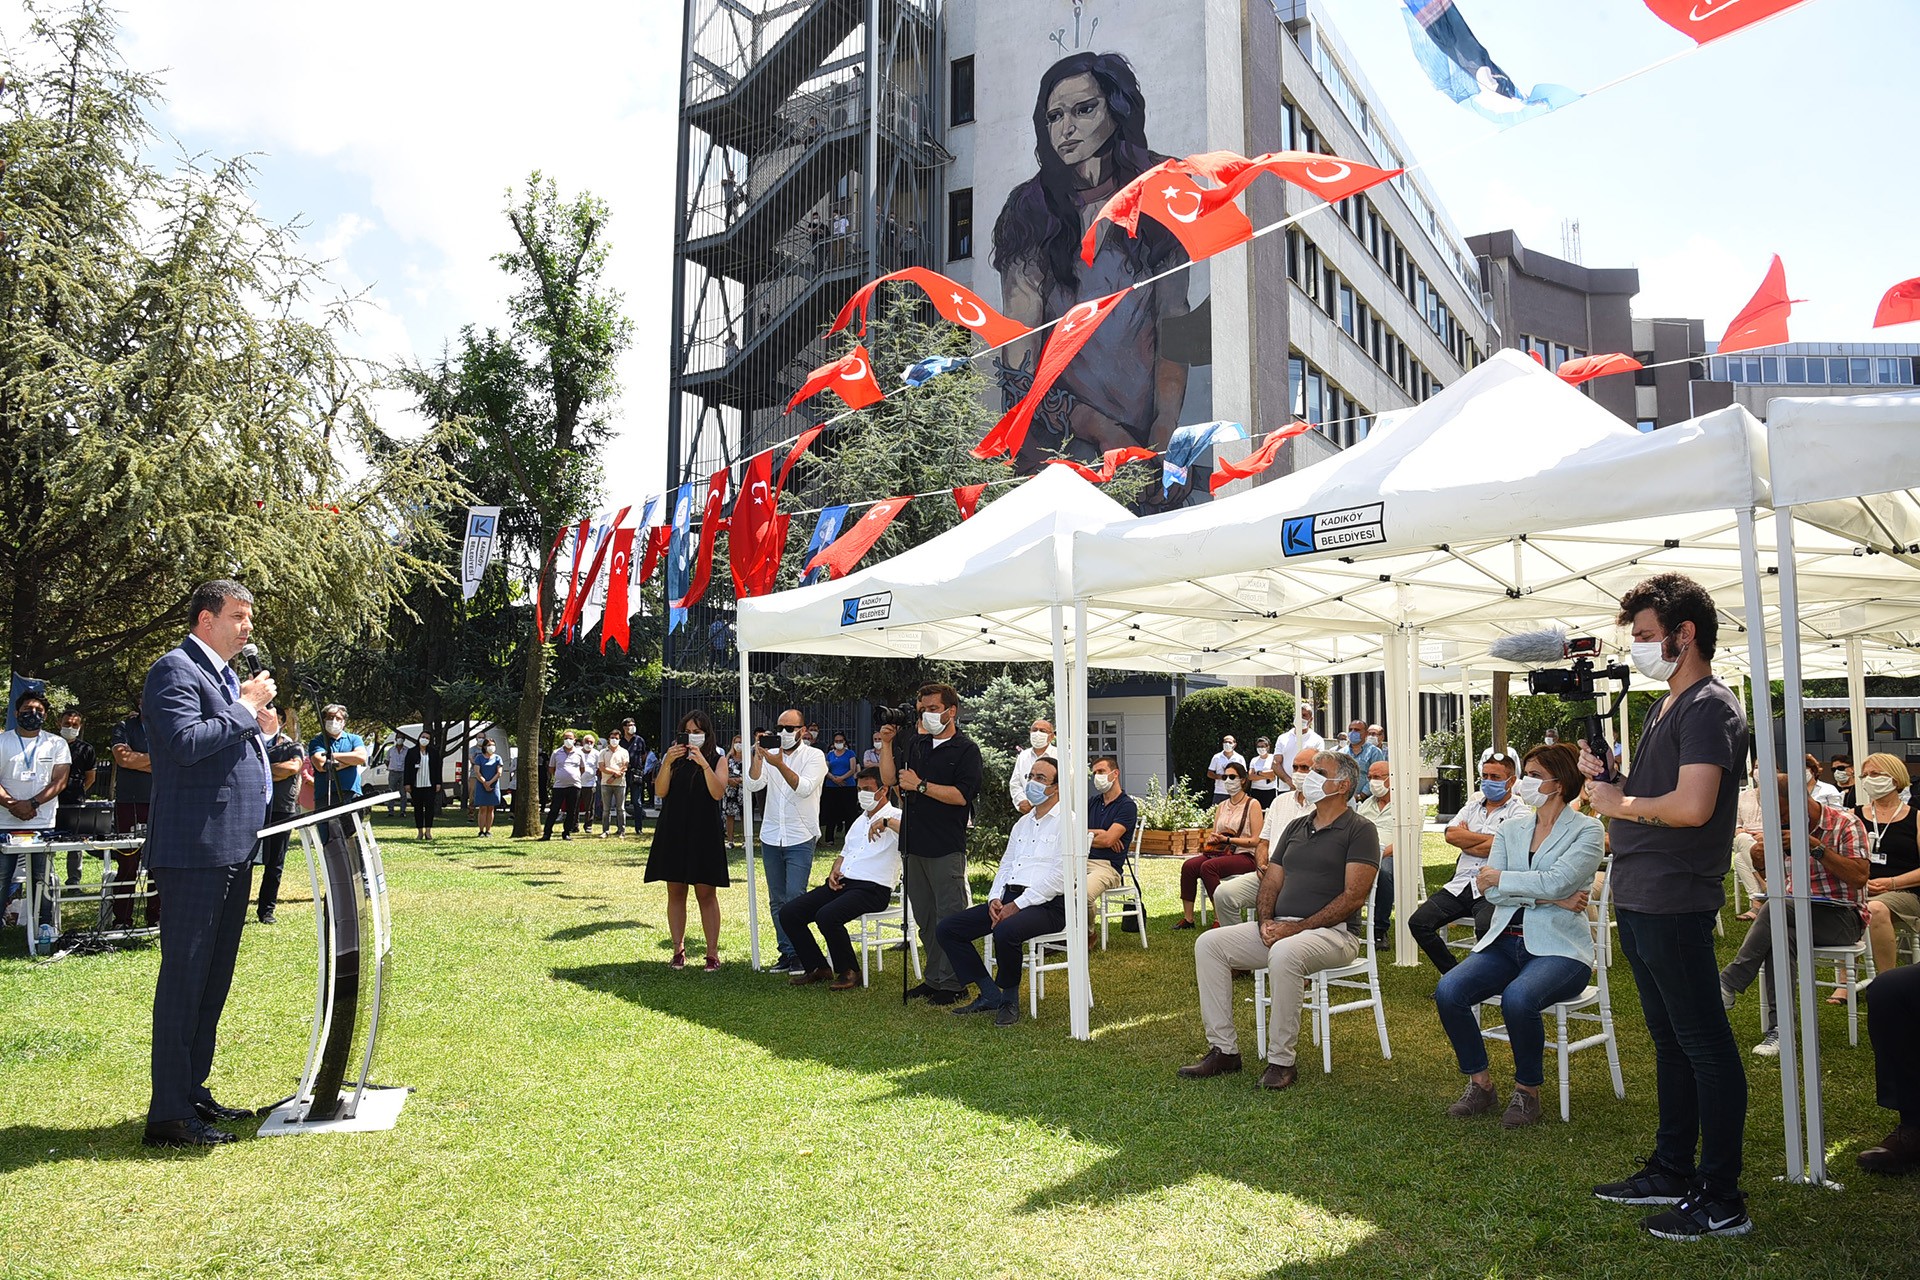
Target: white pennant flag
483	534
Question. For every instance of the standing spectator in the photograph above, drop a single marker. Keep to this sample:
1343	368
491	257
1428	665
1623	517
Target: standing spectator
790	775
614	763
817	241
484	795
1301	737
648	773
1364	749
938	775
568	764
1263	773
1471	832
285	759
79	781
1039	747
870	758
687	849
420	771
1217	767
589	780
842	237
397	775
132	794
1377	737
1672	831
33	772
731	806
337	757
840	806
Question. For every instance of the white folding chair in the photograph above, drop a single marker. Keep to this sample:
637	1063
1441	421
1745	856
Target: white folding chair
1362	975
891	926
1045	954
1115	902
1847	963
1594	1004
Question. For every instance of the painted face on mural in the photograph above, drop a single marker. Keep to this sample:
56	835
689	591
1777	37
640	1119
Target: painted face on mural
1078	122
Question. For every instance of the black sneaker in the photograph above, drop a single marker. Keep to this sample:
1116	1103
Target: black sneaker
1653	1184
1701	1213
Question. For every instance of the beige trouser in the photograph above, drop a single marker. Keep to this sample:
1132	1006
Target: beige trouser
1101	876
1743	865
1235	897
1238	946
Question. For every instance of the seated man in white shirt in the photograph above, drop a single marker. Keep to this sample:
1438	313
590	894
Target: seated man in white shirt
1471	832
1026	901
1236	894
861	881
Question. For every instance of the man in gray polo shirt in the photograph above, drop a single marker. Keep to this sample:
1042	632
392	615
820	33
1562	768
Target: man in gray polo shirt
1307	919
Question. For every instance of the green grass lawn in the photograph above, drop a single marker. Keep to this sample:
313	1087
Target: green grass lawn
582	1110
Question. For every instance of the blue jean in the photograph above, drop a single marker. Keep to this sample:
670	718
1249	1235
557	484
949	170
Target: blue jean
36	879
1699	1076
957	933
788	866
1526	984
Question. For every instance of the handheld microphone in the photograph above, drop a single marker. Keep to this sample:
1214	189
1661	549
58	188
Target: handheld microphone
1531	648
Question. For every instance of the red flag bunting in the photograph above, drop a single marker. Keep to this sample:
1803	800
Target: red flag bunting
753	513
1063	344
658	539
1329	177
1587	368
775	550
844	552
1900	305
952	300
1204	221
613	624
709	534
1536	357
1110	462
1702	21
1225	473
967	498
579	602
1763	321
850	377
807	437
572	606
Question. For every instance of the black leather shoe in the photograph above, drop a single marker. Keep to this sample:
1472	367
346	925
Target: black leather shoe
939	997
212	1111
1007	1015
919	992
184	1133
266	917
984	1004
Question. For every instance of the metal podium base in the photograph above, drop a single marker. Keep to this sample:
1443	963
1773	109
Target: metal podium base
379	1109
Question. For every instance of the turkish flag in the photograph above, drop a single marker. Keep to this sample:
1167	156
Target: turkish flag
613	626
753	513
1110	463
773	551
845	551
1900	305
658	539
850	377
580	597
952	300
1702	21
1763	321
1225	473
709	534
967	498
572	607
1204	221
1063	344
1587	368
1329	177
807	437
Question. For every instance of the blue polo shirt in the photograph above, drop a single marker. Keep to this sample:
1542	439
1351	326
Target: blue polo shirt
330	786
1101	814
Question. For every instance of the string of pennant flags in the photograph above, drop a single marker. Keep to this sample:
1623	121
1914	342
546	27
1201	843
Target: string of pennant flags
1195	198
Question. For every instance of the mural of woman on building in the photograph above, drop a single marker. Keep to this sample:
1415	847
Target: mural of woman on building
1127	386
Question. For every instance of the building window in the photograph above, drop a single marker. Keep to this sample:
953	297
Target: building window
1896	370
960	224
1816	372
1796	371
1346	311
960	91
1297	385
1862	371
1103	739
1837	371
1293	255
1770	369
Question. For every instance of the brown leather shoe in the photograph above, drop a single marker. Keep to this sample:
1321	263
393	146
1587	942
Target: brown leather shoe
810	977
1522	1110
846	981
1215	1063
1278	1077
1476	1101
1898	1152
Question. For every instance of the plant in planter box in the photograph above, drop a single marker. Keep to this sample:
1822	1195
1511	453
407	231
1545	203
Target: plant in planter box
1167	818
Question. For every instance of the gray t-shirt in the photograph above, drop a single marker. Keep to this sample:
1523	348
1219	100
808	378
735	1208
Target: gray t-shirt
1671	870
1316	863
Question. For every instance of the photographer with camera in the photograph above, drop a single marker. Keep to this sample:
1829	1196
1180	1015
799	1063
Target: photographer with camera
938	775
1672	838
790	772
337	757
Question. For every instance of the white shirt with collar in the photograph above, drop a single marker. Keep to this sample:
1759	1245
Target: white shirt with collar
221	664
1380	814
1291	744
1023	768
1285	808
1032	861
874	859
1219	763
1481	820
793	812
26	768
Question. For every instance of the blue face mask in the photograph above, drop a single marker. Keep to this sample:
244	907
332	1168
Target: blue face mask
1355	738
1036	793
1493	789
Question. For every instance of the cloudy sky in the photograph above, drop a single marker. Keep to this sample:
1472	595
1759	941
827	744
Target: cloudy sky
395	129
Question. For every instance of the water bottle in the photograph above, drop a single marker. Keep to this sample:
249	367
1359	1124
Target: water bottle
46	940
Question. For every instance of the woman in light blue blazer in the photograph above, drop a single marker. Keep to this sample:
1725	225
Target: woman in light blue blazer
1538	950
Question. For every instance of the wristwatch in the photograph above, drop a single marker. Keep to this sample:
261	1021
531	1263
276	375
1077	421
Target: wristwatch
921	789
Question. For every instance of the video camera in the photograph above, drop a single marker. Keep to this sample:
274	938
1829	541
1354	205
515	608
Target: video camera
904	716
1581	681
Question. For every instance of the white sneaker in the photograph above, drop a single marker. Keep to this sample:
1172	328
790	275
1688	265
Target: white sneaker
1769	1046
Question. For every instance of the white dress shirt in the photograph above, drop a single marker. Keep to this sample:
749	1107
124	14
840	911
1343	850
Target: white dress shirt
221	664
1477	817
877	859
793	813
1219	763
1291	744
1023	769
1032	861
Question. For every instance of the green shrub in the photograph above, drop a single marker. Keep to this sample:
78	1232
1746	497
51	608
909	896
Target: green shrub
1529	716
1209	715
1170	810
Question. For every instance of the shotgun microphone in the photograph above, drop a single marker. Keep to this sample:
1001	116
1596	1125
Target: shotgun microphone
1531	648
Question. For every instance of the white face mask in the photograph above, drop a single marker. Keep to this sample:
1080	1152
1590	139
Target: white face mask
1103	782
876	744
1841	776
1227	746
1232	785
932	721
70	733
1038	740
788	739
1876	786
1260	752
1527	790
1813	776
336	726
1373	740
1306	721
868	801
1650	660
696	740
1313	787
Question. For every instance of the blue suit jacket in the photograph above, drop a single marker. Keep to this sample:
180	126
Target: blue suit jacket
1567	859
210	782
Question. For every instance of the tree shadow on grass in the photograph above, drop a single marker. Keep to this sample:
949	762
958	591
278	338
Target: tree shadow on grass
579	931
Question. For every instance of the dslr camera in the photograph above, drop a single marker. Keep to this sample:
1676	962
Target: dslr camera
904	716
1577	683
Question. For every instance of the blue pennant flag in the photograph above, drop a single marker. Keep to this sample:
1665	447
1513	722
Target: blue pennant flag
679	557
832	520
1460	67
921	372
1188	443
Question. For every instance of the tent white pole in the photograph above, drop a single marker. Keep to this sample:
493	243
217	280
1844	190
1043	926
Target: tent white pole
1769	766
1470	767
1801	869
1857	701
746	814
1407	812
1065	730
1078	770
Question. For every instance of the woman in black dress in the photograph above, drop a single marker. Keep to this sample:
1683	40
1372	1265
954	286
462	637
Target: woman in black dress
688	844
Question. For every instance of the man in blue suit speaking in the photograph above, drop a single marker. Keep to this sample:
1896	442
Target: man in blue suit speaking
210	792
